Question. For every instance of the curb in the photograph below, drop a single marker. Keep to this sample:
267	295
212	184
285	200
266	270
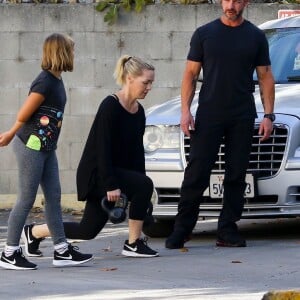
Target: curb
282	295
68	201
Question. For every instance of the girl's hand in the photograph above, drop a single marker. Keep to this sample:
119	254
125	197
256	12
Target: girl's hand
31	104
113	195
5	138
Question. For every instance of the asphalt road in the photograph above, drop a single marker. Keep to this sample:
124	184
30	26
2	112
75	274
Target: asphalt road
203	271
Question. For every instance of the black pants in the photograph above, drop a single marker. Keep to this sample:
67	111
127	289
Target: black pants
138	189
205	143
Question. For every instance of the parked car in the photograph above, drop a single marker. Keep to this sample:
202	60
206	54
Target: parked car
273	179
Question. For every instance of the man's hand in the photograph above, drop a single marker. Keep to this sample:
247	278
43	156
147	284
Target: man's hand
187	123
265	129
188	87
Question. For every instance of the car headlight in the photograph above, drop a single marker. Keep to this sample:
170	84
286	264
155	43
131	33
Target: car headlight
161	136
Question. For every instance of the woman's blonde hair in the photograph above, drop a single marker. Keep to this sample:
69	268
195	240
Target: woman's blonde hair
131	65
58	53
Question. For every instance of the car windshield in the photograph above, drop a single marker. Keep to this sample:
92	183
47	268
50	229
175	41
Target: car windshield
285	54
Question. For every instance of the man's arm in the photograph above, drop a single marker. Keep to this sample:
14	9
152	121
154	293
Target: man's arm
267	92
188	87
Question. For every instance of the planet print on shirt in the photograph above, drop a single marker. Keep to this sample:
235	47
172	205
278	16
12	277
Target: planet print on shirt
44	129
44	120
34	143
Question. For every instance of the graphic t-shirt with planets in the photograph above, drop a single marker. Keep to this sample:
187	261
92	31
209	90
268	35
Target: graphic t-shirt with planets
42	130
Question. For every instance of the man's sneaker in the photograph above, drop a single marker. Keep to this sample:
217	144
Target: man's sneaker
30	242
138	249
230	239
16	261
176	240
71	257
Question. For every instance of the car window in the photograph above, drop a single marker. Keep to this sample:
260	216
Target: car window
284	47
297	57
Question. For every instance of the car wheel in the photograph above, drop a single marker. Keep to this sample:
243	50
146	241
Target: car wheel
159	228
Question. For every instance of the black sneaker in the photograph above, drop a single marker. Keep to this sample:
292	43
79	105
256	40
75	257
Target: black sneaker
16	261
138	249
30	242
176	240
71	257
230	239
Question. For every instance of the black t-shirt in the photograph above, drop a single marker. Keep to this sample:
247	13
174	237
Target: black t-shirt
229	56
42	130
115	141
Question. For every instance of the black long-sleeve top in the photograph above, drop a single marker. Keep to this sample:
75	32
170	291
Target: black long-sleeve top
115	141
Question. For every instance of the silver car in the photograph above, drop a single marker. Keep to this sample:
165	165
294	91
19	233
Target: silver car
273	179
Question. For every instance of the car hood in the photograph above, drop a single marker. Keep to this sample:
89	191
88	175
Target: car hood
287	101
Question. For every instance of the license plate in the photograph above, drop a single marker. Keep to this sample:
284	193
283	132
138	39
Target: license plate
216	186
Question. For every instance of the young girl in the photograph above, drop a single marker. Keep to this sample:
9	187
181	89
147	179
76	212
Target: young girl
113	163
35	134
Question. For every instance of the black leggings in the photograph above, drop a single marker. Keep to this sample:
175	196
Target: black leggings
138	189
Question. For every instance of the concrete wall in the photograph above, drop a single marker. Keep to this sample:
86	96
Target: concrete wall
160	34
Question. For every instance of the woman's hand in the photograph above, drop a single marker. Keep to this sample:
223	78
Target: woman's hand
113	195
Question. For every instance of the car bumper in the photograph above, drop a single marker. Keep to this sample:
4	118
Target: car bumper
278	196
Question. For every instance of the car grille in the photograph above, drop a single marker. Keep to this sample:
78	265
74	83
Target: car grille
265	158
171	196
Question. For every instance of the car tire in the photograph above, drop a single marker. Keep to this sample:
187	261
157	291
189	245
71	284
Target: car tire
159	228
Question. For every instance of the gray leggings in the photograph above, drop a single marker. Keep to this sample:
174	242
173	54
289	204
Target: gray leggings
36	168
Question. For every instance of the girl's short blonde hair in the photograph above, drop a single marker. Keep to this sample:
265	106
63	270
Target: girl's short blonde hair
131	65
58	53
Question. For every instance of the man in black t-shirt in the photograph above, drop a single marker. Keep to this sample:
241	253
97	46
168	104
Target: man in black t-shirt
228	50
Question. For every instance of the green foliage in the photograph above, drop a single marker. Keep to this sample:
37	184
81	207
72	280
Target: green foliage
139	4
112	8
111	15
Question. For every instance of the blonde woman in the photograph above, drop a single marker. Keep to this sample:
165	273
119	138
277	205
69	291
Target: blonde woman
35	134
113	163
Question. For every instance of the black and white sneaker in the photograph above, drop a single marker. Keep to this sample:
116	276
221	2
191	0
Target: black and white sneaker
138	249
30	242
16	261
71	257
